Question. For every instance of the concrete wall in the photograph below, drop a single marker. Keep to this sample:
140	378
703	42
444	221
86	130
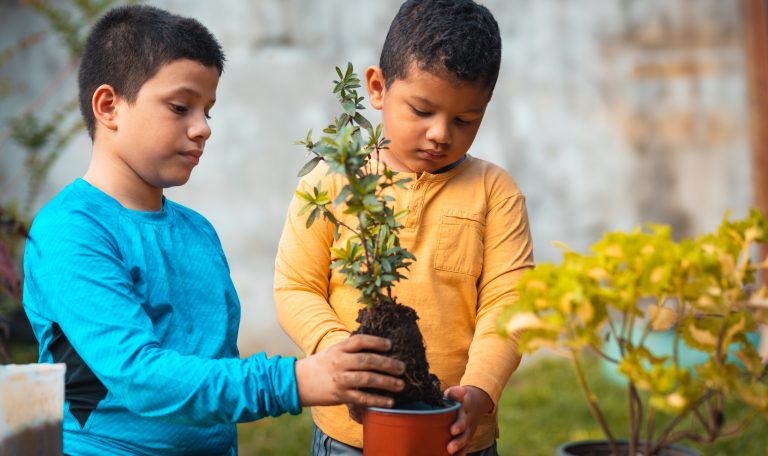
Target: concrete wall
609	113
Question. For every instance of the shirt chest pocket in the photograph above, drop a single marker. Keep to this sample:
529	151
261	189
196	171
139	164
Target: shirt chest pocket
460	242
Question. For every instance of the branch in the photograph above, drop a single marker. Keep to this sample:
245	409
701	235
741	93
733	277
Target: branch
592	403
649	428
663	440
339	222
636	417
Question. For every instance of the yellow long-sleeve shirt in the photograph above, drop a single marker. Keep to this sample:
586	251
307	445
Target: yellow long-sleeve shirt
468	228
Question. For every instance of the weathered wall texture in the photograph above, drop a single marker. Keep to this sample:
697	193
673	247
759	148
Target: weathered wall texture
609	113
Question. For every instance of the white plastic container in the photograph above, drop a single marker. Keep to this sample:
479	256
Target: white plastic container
31	409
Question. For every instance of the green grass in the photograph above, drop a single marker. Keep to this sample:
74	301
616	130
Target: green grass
541	408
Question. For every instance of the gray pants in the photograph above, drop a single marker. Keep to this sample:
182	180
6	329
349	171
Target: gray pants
322	445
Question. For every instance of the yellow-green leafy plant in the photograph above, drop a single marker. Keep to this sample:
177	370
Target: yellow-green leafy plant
703	291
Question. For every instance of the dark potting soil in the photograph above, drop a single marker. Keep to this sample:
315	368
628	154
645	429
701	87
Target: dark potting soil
397	323
42	440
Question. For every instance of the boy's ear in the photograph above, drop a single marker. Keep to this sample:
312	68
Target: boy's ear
376	86
104	105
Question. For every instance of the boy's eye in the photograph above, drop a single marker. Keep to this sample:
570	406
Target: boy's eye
208	115
420	113
463	122
178	109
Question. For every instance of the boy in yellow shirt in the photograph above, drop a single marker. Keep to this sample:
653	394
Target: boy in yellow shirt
467	223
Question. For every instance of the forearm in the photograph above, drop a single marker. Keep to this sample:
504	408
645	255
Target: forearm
488	348
508	253
156	382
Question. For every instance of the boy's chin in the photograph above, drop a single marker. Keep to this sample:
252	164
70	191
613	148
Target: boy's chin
175	181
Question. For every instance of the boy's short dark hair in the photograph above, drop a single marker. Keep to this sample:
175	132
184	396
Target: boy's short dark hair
456	37
129	44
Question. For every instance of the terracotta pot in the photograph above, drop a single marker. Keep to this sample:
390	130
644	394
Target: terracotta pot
418	430
601	448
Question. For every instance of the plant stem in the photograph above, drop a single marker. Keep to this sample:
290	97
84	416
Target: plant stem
592	403
603	355
705	423
631	416
635	418
664	440
339	222
649	428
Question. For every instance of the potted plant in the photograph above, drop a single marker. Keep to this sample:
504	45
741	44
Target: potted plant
613	300
372	261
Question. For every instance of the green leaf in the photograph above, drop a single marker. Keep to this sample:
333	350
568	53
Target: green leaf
309	166
306	207
343	195
349	107
363	122
312	217
304	195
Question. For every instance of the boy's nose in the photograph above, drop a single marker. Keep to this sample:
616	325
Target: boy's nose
200	130
439	133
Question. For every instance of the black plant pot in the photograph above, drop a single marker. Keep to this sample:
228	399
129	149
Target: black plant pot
602	448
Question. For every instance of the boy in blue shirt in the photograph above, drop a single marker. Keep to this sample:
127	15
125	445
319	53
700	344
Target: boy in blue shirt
132	291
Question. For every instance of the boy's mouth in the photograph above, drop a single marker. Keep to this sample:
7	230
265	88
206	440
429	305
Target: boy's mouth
192	155
430	154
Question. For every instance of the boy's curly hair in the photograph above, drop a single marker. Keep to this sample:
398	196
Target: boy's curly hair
129	44
458	38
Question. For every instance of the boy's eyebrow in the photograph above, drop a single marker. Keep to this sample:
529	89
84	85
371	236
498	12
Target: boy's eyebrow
431	104
189	91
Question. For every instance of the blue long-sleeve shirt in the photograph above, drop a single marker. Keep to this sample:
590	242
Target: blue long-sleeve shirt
141	307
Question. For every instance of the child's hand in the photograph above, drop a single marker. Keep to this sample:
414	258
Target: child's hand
334	375
474	404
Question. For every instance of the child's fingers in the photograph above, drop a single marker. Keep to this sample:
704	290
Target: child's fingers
459	426
352	380
456	393
373	362
458	444
363	399
360	342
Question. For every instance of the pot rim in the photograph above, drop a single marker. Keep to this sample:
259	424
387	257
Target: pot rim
452	406
693	451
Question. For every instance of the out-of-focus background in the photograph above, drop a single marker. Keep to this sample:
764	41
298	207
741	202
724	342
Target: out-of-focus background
608	113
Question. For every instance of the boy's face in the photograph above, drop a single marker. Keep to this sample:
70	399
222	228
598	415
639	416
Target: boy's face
161	135
431	121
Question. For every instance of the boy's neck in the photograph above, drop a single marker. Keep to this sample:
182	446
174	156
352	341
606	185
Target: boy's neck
117	180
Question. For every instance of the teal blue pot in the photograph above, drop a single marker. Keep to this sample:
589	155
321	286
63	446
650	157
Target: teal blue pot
661	344
602	448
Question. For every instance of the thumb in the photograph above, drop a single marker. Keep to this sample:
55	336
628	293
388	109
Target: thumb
456	393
